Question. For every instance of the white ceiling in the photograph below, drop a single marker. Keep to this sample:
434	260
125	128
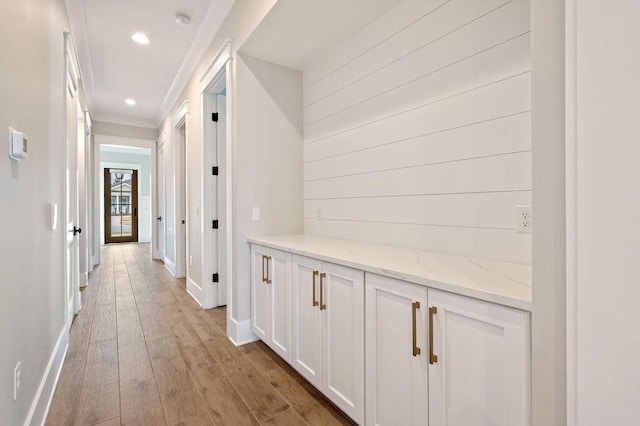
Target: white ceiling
318	26
116	68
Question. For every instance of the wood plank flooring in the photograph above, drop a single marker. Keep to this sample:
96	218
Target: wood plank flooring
142	352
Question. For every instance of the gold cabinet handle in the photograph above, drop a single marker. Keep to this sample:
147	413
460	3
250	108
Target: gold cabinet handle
414	307
315	274
323	276
268	279
264	279
433	358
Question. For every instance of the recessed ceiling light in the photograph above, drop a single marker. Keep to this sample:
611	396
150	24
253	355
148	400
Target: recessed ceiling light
183	19
140	38
130	102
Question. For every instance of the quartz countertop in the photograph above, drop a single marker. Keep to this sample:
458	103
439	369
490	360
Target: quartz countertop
505	283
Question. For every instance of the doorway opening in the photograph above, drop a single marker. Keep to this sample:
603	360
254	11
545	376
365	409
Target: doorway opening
120	205
180	238
217	247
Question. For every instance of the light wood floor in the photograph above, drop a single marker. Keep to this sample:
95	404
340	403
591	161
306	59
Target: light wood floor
143	353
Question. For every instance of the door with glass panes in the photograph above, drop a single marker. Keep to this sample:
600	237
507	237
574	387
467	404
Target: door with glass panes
120	205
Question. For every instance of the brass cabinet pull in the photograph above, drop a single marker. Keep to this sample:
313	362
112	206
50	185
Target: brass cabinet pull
433	358
414	307
315	274
323	276
268	279
264	280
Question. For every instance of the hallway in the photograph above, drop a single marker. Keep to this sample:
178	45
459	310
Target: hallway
143	352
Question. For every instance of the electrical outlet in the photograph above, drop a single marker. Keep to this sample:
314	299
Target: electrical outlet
190	260
17	380
524	219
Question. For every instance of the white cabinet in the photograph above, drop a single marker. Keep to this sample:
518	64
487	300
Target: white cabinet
271	298
397	353
431	357
467	365
307	319
482	372
328	331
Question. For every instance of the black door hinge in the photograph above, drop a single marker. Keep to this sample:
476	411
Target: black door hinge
215	224
214	170
214	117
215	278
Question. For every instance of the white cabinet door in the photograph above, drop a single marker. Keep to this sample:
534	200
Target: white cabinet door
342	305
260	309
307	327
396	361
279	278
482	372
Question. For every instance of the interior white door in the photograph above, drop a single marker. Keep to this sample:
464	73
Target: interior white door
306	350
342	304
279	273
71	210
482	372
396	362
181	203
160	194
218	198
260	306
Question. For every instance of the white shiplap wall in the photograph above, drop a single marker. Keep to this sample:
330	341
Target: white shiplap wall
417	131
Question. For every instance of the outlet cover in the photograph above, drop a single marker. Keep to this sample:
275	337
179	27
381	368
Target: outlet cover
255	214
524	219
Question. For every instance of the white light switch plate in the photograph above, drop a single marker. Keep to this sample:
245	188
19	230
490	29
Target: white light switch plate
255	214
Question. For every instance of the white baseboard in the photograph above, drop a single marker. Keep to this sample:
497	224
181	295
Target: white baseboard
84	279
42	400
171	267
195	291
240	333
96	260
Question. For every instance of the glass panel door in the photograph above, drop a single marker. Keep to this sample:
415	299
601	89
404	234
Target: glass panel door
121	205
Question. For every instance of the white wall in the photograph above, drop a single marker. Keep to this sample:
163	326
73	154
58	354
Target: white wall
417	131
267	162
144	192
603	195
113	129
254	87
548	325
31	253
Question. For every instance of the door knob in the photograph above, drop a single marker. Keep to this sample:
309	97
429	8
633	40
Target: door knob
76	231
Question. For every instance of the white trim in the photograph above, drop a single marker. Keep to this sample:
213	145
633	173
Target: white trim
240	332
42	400
195	291
87	122
215	66
84	278
171	267
209	28
181	115
571	191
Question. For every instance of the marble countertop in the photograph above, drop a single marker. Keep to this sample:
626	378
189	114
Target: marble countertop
495	281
